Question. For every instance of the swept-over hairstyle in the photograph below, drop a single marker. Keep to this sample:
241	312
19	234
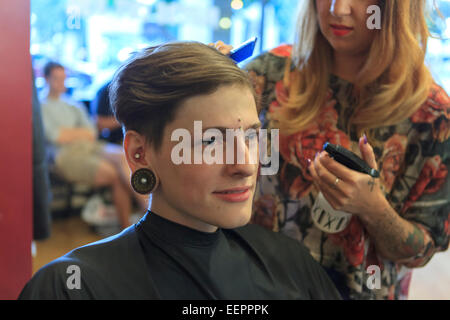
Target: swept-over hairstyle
147	90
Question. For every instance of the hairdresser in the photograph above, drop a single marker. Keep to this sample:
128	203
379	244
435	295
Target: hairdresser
356	77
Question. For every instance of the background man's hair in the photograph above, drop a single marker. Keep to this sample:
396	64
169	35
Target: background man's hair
49	66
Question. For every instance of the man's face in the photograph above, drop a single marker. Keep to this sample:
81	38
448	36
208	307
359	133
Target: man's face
206	196
344	24
56	80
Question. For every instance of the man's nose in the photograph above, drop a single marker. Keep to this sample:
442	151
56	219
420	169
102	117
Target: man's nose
245	162
242	170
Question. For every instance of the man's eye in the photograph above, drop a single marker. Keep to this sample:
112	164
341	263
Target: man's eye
252	135
209	142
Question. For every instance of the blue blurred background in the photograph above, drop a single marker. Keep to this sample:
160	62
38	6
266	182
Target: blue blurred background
92	38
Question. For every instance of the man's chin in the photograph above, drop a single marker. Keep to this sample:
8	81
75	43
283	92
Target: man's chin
236	221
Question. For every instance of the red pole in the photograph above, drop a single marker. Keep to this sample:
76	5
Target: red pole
15	148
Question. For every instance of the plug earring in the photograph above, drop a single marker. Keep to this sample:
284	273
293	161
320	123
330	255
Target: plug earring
137	156
144	181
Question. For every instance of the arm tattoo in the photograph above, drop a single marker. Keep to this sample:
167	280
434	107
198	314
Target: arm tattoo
371	183
415	241
396	238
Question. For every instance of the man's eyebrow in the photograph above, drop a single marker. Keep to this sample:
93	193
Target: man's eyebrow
224	129
255	126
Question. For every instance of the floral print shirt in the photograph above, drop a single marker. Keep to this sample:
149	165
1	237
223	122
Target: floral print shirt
413	157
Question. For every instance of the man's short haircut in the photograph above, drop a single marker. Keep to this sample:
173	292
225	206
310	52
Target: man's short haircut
49	66
148	89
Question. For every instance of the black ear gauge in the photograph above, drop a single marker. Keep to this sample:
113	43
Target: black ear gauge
143	181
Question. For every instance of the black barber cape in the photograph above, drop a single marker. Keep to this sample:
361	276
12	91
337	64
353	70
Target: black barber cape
160	259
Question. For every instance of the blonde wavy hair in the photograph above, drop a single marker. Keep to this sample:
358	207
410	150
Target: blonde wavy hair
392	84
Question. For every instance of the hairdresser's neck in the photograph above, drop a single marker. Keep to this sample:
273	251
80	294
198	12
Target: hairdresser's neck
347	66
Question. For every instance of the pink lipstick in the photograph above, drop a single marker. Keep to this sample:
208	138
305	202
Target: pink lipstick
239	194
340	30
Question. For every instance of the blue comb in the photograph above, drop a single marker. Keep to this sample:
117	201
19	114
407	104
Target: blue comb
244	51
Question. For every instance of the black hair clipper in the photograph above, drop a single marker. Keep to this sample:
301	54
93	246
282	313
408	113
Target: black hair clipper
349	159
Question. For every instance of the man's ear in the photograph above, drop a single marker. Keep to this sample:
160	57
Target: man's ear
137	151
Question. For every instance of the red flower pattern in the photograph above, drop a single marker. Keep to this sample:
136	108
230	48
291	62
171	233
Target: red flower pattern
258	83
352	241
393	156
441	131
446	225
264	212
372	257
430	180
297	148
404	285
283	51
299	187
294	181
436	111
282	95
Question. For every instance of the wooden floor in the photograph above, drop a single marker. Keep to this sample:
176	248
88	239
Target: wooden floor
67	234
430	282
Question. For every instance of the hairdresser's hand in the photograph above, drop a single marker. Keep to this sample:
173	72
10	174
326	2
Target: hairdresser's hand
222	47
345	189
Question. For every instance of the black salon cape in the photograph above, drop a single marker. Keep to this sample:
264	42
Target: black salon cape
160	259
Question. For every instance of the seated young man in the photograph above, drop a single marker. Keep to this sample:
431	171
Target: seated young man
195	241
78	156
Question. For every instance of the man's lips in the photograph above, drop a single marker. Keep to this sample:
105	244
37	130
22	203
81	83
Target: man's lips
238	194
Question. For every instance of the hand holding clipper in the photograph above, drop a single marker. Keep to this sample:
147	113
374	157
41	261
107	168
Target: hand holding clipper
349	159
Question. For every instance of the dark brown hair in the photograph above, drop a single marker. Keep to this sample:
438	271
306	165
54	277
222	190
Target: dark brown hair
147	90
49	66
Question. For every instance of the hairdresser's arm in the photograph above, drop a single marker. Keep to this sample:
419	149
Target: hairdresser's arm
395	238
222	47
107	122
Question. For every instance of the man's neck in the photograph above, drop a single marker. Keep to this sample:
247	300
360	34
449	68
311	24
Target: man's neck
347	67
53	95
166	211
